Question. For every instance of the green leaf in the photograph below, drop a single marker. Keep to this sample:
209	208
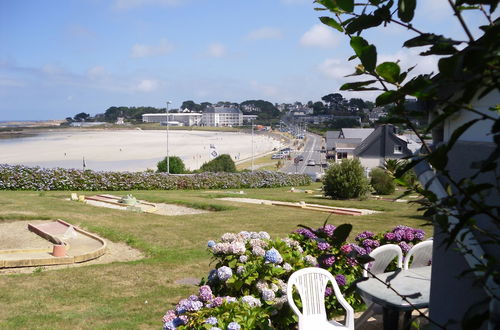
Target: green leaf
367	53
347	5
341	233
387	98
429	39
389	71
406	10
363	22
331	22
355	85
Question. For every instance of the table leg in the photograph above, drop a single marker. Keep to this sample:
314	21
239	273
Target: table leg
391	319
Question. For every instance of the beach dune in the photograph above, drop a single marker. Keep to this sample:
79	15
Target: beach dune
128	150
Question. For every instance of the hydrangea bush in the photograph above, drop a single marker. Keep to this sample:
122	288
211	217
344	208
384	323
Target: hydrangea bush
247	287
18	177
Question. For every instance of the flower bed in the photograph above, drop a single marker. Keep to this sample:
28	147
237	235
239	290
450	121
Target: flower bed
247	287
18	177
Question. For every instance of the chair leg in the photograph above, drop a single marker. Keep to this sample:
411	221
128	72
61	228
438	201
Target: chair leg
365	316
407	320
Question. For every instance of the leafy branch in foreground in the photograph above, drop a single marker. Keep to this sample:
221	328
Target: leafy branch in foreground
468	71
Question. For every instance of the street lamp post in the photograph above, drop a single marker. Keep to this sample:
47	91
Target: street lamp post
168	156
252	144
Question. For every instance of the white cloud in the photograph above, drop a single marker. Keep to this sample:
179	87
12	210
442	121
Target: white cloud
320	36
265	90
96	71
265	33
128	4
216	50
335	68
147	85
139	50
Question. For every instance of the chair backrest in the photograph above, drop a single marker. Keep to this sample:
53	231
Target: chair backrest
383	256
311	284
421	253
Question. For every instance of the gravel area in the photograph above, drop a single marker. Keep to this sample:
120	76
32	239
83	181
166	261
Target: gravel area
15	235
161	208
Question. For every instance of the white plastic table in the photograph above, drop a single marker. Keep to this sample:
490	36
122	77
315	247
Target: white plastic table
414	282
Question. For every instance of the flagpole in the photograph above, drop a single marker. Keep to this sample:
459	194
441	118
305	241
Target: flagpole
168	157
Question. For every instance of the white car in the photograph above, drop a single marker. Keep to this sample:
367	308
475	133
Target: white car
311	162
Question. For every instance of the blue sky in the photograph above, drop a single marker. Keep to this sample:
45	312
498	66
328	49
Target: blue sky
58	58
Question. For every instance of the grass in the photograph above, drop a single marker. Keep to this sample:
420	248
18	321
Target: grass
262	163
135	295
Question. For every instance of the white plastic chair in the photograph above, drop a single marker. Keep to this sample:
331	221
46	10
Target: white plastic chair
311	285
383	256
421	253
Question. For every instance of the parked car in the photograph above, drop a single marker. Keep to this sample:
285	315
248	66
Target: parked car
278	156
311	162
300	157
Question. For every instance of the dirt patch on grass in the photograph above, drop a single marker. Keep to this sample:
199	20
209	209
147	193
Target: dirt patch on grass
15	235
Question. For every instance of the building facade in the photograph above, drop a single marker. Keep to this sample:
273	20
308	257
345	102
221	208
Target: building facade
183	119
222	116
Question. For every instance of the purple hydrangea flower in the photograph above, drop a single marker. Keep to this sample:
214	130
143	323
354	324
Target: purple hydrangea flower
268	294
205	293
306	232
251	301
193	298
328	229
327	260
216	302
405	247
341	281
346	248
169	316
328	291
323	246
409	236
419	234
243	258
390	236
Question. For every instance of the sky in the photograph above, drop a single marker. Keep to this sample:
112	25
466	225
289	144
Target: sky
59	58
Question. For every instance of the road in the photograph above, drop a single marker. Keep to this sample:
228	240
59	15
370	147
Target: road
311	151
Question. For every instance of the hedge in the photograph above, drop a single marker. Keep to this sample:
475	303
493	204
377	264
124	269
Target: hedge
19	177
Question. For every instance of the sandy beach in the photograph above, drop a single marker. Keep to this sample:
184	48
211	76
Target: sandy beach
127	150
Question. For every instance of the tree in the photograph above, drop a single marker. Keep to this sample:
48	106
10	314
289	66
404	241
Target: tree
339	123
222	163
176	165
319	108
468	74
82	116
332	99
191	105
382	182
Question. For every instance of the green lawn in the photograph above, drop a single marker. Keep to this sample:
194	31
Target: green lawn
114	295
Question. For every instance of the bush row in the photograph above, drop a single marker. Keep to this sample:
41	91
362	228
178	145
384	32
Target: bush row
247	289
18	177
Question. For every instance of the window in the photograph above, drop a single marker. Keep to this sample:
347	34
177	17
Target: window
341	155
398	149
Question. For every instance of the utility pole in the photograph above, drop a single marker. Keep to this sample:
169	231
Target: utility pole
168	156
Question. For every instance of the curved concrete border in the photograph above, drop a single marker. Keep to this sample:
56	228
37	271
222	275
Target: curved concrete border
50	260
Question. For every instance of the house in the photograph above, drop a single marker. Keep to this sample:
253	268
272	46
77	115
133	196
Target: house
341	144
381	144
222	116
181	118
247	119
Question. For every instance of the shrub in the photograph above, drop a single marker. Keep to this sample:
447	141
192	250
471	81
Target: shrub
248	284
176	165
18	177
382	182
222	163
346	180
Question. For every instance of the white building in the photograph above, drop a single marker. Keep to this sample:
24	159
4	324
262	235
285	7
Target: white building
184	118
222	116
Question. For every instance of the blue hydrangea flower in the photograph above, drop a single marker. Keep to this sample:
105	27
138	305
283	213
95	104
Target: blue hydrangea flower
211	320
233	326
224	273
273	256
211	243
